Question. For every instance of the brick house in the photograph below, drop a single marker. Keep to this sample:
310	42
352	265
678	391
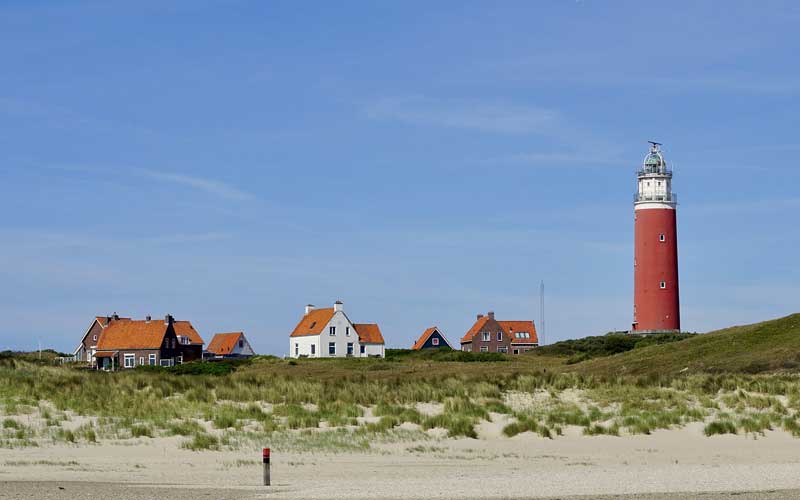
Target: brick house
88	345
507	337
126	343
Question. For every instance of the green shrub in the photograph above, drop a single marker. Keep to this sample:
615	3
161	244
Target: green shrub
201	441
719	427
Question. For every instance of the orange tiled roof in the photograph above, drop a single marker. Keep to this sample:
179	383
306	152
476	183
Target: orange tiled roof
424	338
103	320
185	329
475	329
368	333
313	322
512	327
132	334
223	343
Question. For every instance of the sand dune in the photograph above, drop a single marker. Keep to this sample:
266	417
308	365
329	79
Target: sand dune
682	462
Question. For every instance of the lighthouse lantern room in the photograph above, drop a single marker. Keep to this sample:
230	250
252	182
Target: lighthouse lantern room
656	306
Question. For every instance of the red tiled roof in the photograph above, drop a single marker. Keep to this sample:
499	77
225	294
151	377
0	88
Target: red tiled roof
103	320
368	333
313	322
107	354
424	338
185	329
224	343
480	323
132	334
512	327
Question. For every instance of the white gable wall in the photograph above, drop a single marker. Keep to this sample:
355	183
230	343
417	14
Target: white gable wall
245	350
374	350
301	346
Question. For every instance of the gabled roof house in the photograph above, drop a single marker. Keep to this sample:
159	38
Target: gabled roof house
113	342
229	345
328	332
490	335
432	338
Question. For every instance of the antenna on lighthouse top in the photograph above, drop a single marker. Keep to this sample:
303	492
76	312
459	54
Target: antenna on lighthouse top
655	143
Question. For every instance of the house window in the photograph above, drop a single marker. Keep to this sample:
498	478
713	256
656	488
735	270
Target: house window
166	362
484	348
662	238
151	360
297	349
241	344
516	351
130	360
141	360
166	343
363	349
173	343
332	330
502	348
94	338
349	348
486	336
347	331
313	349
662	285
435	341
180	359
332	348
499	336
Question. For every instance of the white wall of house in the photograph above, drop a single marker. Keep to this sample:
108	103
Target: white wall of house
301	346
245	350
374	350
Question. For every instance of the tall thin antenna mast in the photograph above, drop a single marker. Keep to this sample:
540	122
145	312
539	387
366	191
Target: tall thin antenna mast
541	311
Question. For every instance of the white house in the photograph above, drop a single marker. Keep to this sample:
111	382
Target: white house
328	332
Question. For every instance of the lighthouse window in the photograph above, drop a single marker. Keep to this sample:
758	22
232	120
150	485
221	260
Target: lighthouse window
661	237
663	285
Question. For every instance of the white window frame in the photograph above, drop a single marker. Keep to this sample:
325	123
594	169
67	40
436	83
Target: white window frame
165	363
516	351
296	349
503	349
350	349
141	360
331	348
663	285
662	238
362	349
484	348
129	360
332	331
94	338
499	336
435	341
347	331
151	360
487	336
313	349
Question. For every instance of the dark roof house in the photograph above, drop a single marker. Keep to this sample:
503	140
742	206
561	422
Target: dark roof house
432	338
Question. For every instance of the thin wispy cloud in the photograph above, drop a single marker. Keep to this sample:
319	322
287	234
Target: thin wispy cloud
493	117
211	186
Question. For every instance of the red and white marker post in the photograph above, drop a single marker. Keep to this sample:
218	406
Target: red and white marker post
265	457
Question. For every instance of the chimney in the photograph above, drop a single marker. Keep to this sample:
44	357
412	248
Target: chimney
168	319
490	314
309	308
148	318
338	306
115	317
480	316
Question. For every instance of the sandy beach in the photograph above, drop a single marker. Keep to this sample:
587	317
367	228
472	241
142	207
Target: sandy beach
671	464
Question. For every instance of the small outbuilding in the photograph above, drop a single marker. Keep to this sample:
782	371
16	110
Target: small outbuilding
229	345
432	338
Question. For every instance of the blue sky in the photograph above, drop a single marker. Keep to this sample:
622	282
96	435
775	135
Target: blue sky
229	162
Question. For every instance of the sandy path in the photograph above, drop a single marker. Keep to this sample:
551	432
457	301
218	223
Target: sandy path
682	462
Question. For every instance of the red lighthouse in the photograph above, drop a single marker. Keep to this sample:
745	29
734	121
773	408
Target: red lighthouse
656	306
